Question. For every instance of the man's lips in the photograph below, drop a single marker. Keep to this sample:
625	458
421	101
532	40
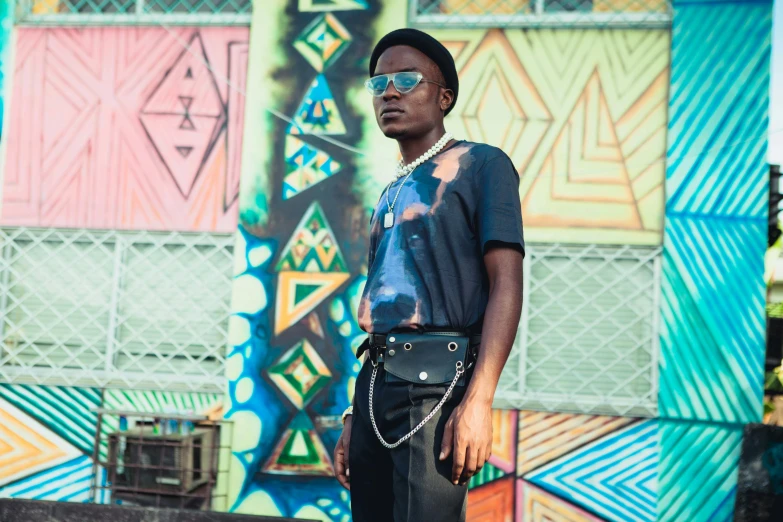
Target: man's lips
391	112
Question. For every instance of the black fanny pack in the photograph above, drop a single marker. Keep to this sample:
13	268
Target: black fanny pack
425	358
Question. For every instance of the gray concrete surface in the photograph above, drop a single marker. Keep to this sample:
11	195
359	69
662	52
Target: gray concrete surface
15	510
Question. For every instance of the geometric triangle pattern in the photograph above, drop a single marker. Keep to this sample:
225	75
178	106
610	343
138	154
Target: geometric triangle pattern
300	373
615	476
493	502
536	505
300	451
586	163
185	116
27	447
318	113
323	41
65	410
305	166
307	6
487	474
543	437
313	246
292	304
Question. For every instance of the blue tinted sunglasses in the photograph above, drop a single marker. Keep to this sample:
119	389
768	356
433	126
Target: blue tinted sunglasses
404	82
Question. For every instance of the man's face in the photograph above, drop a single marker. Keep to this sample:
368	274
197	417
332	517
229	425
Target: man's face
415	113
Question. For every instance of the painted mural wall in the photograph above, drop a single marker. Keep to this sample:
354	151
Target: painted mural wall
615	144
112	127
128	128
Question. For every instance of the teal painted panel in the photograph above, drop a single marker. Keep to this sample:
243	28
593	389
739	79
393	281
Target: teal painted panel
712	322
697	474
718	109
712	290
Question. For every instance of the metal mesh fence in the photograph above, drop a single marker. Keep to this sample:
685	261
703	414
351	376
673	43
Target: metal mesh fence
589	332
117	309
201	12
534	13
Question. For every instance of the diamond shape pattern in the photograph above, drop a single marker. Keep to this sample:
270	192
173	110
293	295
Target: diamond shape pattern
323	41
300	374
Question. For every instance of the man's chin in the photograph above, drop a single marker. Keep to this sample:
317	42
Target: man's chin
394	131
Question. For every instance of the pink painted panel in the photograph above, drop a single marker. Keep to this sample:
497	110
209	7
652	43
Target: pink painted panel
126	127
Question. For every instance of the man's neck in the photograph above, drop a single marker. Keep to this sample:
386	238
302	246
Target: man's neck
412	149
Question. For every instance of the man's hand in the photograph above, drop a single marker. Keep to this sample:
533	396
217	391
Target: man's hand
341	470
468	436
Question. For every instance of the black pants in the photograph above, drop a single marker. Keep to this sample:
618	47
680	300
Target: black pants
408	483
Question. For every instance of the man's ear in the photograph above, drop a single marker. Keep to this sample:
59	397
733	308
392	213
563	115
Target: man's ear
446	99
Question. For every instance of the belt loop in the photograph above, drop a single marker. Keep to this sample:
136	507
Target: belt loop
374	356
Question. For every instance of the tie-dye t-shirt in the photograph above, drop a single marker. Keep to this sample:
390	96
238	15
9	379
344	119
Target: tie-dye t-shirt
427	270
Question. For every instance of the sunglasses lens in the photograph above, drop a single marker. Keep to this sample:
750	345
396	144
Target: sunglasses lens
405	82
377	85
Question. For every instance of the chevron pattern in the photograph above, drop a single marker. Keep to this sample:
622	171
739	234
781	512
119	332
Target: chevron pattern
27	447
713	330
614	477
68	482
716	161
492	502
65	411
698	470
712	338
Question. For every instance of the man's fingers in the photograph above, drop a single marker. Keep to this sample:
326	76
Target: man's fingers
459	461
448	436
340	468
471	458
481	460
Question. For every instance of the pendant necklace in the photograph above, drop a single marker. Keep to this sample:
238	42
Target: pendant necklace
407	170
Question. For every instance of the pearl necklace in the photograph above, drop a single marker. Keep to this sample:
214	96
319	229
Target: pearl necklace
407	170
403	170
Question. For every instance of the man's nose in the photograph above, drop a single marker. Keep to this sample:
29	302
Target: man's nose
391	92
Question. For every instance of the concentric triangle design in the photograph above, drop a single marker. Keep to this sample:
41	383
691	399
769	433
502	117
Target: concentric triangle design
323	41
306	166
313	246
493	501
613	476
289	311
331	5
586	165
300	374
318	113
536	505
27	447
300	451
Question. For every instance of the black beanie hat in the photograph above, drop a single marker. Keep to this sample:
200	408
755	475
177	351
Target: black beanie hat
425	43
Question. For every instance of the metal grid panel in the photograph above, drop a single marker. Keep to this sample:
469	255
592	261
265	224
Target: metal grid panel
588	338
541	13
124	12
118	309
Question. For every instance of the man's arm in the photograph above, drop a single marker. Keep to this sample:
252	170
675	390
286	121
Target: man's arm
469	429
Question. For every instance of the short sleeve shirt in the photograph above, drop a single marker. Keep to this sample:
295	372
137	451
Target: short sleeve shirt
427	270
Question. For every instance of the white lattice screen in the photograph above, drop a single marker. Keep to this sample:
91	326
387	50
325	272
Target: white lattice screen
109	308
540	13
588	337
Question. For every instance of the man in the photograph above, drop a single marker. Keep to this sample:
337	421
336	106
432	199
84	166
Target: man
446	250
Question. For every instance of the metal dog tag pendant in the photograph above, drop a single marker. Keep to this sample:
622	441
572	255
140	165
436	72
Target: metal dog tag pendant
388	220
